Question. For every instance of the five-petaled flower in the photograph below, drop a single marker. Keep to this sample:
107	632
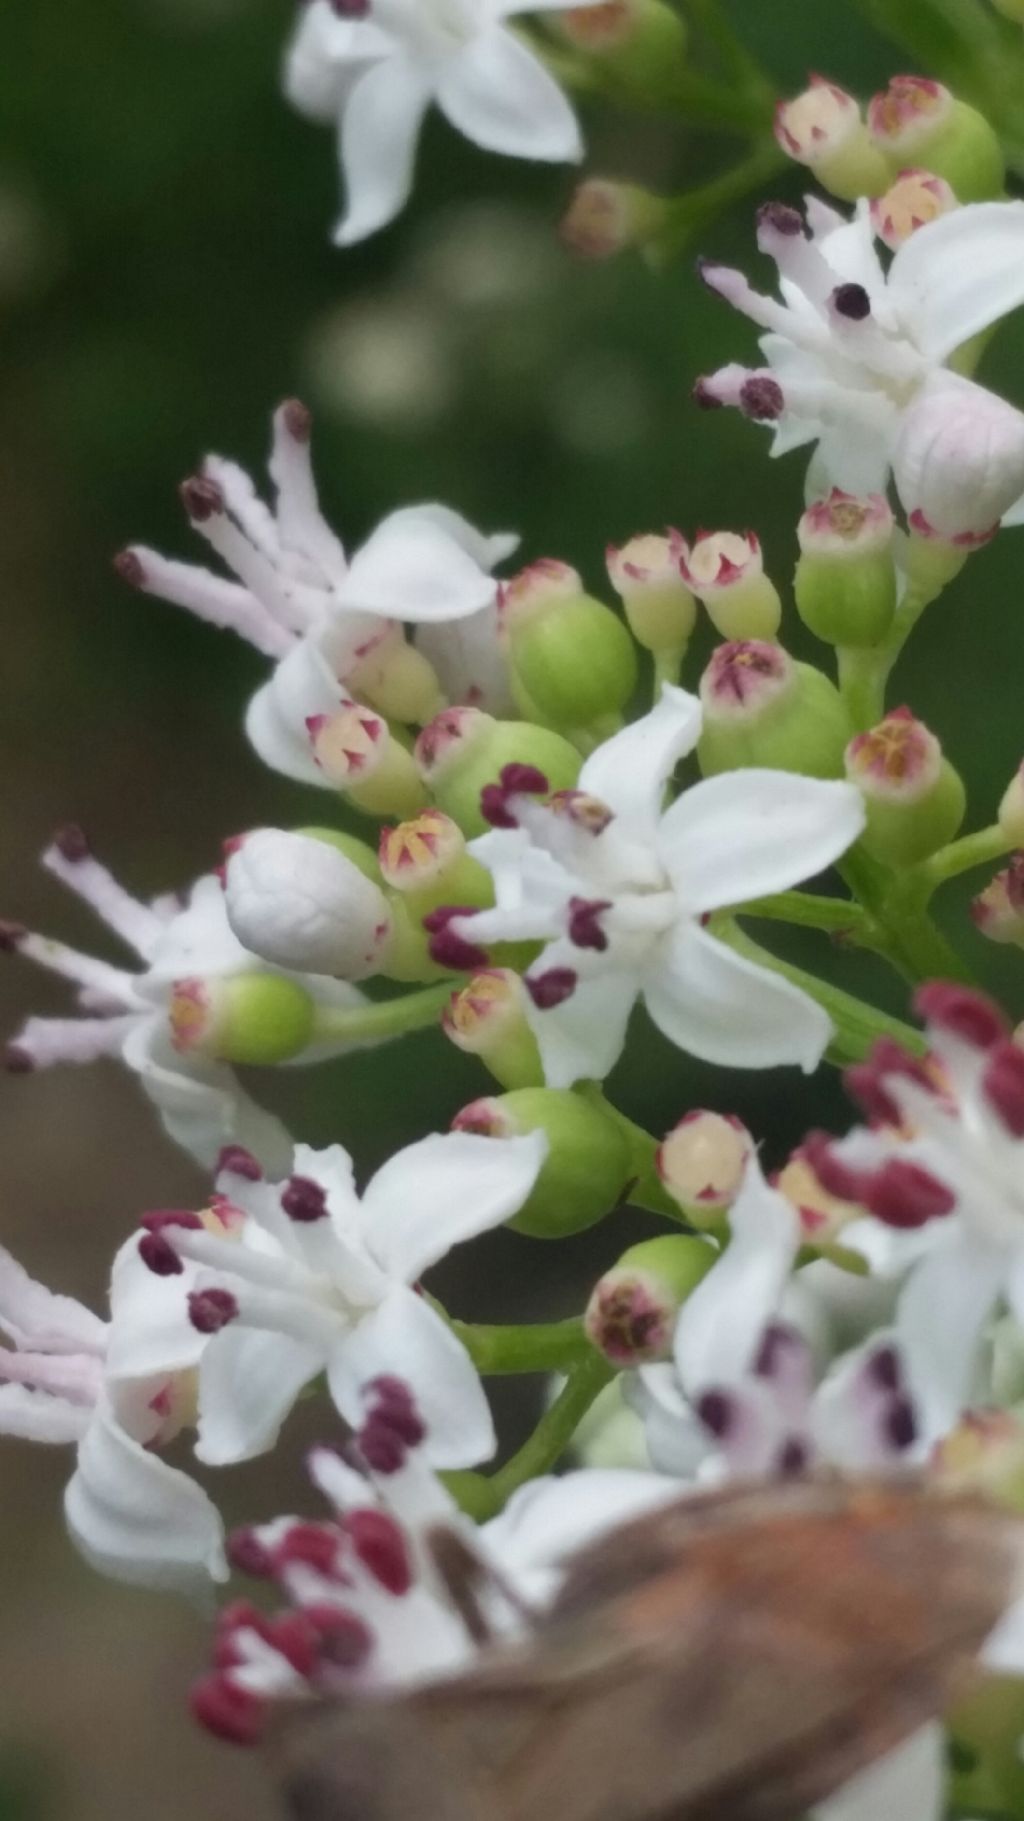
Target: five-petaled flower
321	1279
619	888
856	359
375	75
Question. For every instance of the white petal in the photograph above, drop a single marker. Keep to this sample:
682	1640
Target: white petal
630	771
412	568
1004	1649
303	684
500	95
446	1189
583	1038
471	666
486	549
199	940
248	1383
302	905
940	1317
722	1323
137	1519
747	833
34	1416
958	274
324	54
851	455
850	250
725	1009
150	1331
549	1519
380	129
677	1442
32	1316
202	1107
405	1337
908	1784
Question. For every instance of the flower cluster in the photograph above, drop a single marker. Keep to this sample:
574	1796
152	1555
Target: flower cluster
550	814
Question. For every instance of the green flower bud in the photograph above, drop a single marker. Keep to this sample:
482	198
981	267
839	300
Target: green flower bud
487	1018
823	129
357	753
1010	9
642	41
245	1018
463	750
725	569
425	861
916	121
660	608
632	1312
605	217
929	561
998	911
572	660
762	708
702	1163
396	678
915	800
588	1163
846	578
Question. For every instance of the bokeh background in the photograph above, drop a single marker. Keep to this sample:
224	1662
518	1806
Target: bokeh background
165	278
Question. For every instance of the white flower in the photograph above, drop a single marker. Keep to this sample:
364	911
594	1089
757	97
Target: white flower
856	359
131	1014
378	74
618	889
331	624
941	1171
320	1279
741	1397
131	1515
369	1607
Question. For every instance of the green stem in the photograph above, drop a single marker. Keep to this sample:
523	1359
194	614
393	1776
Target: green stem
386	1018
668	667
645	1189
736	59
837	916
862	679
689	213
483	1495
914	945
536	1347
857	1024
980	849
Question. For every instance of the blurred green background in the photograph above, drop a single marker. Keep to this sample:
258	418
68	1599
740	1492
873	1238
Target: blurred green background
165	278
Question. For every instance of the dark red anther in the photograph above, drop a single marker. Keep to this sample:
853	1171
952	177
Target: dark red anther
551	988
211	1310
585	922
972	1016
235	1160
380	1544
304	1200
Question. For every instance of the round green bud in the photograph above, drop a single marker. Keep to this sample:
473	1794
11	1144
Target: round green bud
464	750
762	708
588	1163
572	660
918	122
845	579
915	801
632	1312
246	1018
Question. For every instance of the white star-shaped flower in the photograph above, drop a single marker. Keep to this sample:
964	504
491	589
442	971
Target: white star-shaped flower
618	887
858	359
375	69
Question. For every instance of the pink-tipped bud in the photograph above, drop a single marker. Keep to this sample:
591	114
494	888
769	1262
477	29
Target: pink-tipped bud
633	1309
449	739
762	708
357	753
823	129
917	121
916	198
541	585
642	40
422	852
915	801
846	578
463	752
702	1163
725	570
998	911
605	218
660	608
253	1018
573	662
488	1018
846	527
586	1166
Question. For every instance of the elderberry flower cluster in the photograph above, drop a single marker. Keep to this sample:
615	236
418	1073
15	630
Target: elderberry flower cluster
558	810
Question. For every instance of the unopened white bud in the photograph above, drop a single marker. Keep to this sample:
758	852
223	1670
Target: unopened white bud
959	460
300	903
